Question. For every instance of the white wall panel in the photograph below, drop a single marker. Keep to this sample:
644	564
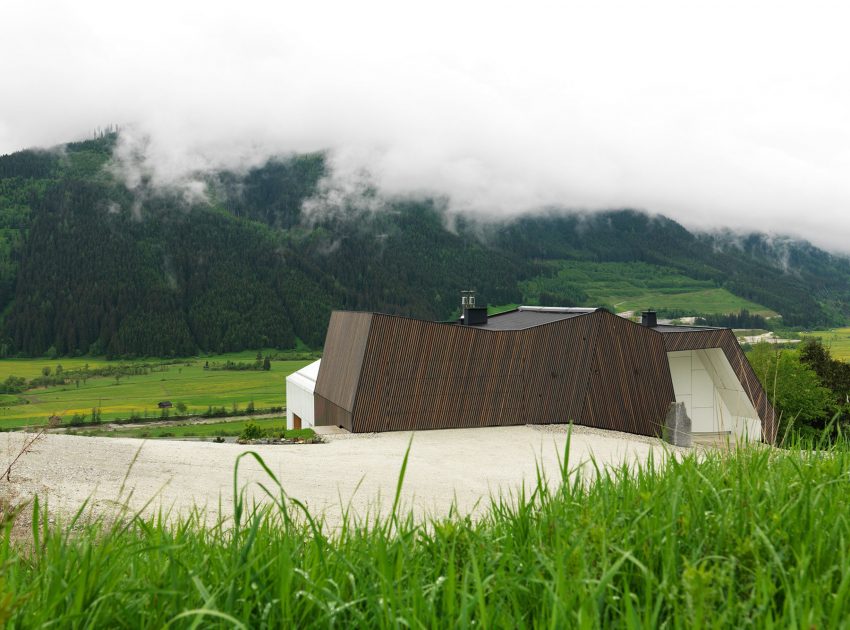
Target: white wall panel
714	397
299	396
680	371
702	385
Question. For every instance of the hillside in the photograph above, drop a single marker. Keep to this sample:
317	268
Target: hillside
88	265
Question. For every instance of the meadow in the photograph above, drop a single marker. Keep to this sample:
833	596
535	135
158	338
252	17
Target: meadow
751	537
185	382
836	339
637	286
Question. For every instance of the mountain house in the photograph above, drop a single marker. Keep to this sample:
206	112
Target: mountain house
531	365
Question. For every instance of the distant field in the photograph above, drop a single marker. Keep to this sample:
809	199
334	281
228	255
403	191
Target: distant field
636	286
837	339
187	382
30	368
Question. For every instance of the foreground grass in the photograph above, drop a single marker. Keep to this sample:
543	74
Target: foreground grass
758	537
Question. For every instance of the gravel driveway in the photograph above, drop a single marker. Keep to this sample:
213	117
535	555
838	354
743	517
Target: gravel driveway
464	466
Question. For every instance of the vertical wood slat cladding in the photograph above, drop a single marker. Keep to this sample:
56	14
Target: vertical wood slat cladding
327	414
342	359
726	341
386	373
629	386
556	363
427	375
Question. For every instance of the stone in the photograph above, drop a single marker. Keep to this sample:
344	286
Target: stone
677	425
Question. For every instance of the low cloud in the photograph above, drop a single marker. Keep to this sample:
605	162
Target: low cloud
726	114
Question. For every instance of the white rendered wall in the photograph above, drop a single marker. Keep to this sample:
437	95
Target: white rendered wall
299	395
714	397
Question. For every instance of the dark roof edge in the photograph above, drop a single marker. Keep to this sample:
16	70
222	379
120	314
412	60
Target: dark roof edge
455	322
575	311
672	328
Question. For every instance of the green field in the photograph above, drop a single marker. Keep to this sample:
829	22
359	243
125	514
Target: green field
30	368
636	286
836	339
187	382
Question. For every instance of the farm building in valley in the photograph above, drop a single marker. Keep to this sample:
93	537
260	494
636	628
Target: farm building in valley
532	365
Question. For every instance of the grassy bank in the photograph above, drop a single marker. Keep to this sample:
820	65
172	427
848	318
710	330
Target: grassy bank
756	537
207	429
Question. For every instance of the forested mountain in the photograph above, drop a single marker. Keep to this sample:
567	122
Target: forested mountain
799	288
90	266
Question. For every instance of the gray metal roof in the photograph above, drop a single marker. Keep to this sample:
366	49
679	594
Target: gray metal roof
529	317
669	328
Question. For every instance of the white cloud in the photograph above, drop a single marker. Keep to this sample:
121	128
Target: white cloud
714	113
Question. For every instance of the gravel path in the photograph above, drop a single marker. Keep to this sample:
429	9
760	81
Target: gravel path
464	466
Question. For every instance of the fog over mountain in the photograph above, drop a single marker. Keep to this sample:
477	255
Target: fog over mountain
721	114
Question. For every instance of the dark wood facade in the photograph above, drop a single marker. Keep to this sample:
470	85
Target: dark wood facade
339	375
386	373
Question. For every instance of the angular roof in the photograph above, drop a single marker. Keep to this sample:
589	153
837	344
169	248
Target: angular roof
306	376
525	317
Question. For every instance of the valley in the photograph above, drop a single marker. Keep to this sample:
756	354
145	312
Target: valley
92	266
129	321
187	385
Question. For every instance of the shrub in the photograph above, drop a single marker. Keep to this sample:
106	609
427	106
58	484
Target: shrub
252	431
13	385
793	387
78	419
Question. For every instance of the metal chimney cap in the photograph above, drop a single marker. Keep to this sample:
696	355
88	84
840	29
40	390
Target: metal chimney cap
649	318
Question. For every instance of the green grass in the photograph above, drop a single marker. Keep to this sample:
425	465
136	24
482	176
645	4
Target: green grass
190	384
753	538
224	429
31	368
836	339
636	286
501	308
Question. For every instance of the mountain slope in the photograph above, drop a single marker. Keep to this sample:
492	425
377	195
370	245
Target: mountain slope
90	266
630	236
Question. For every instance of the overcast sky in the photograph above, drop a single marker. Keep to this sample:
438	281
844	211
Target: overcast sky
716	113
